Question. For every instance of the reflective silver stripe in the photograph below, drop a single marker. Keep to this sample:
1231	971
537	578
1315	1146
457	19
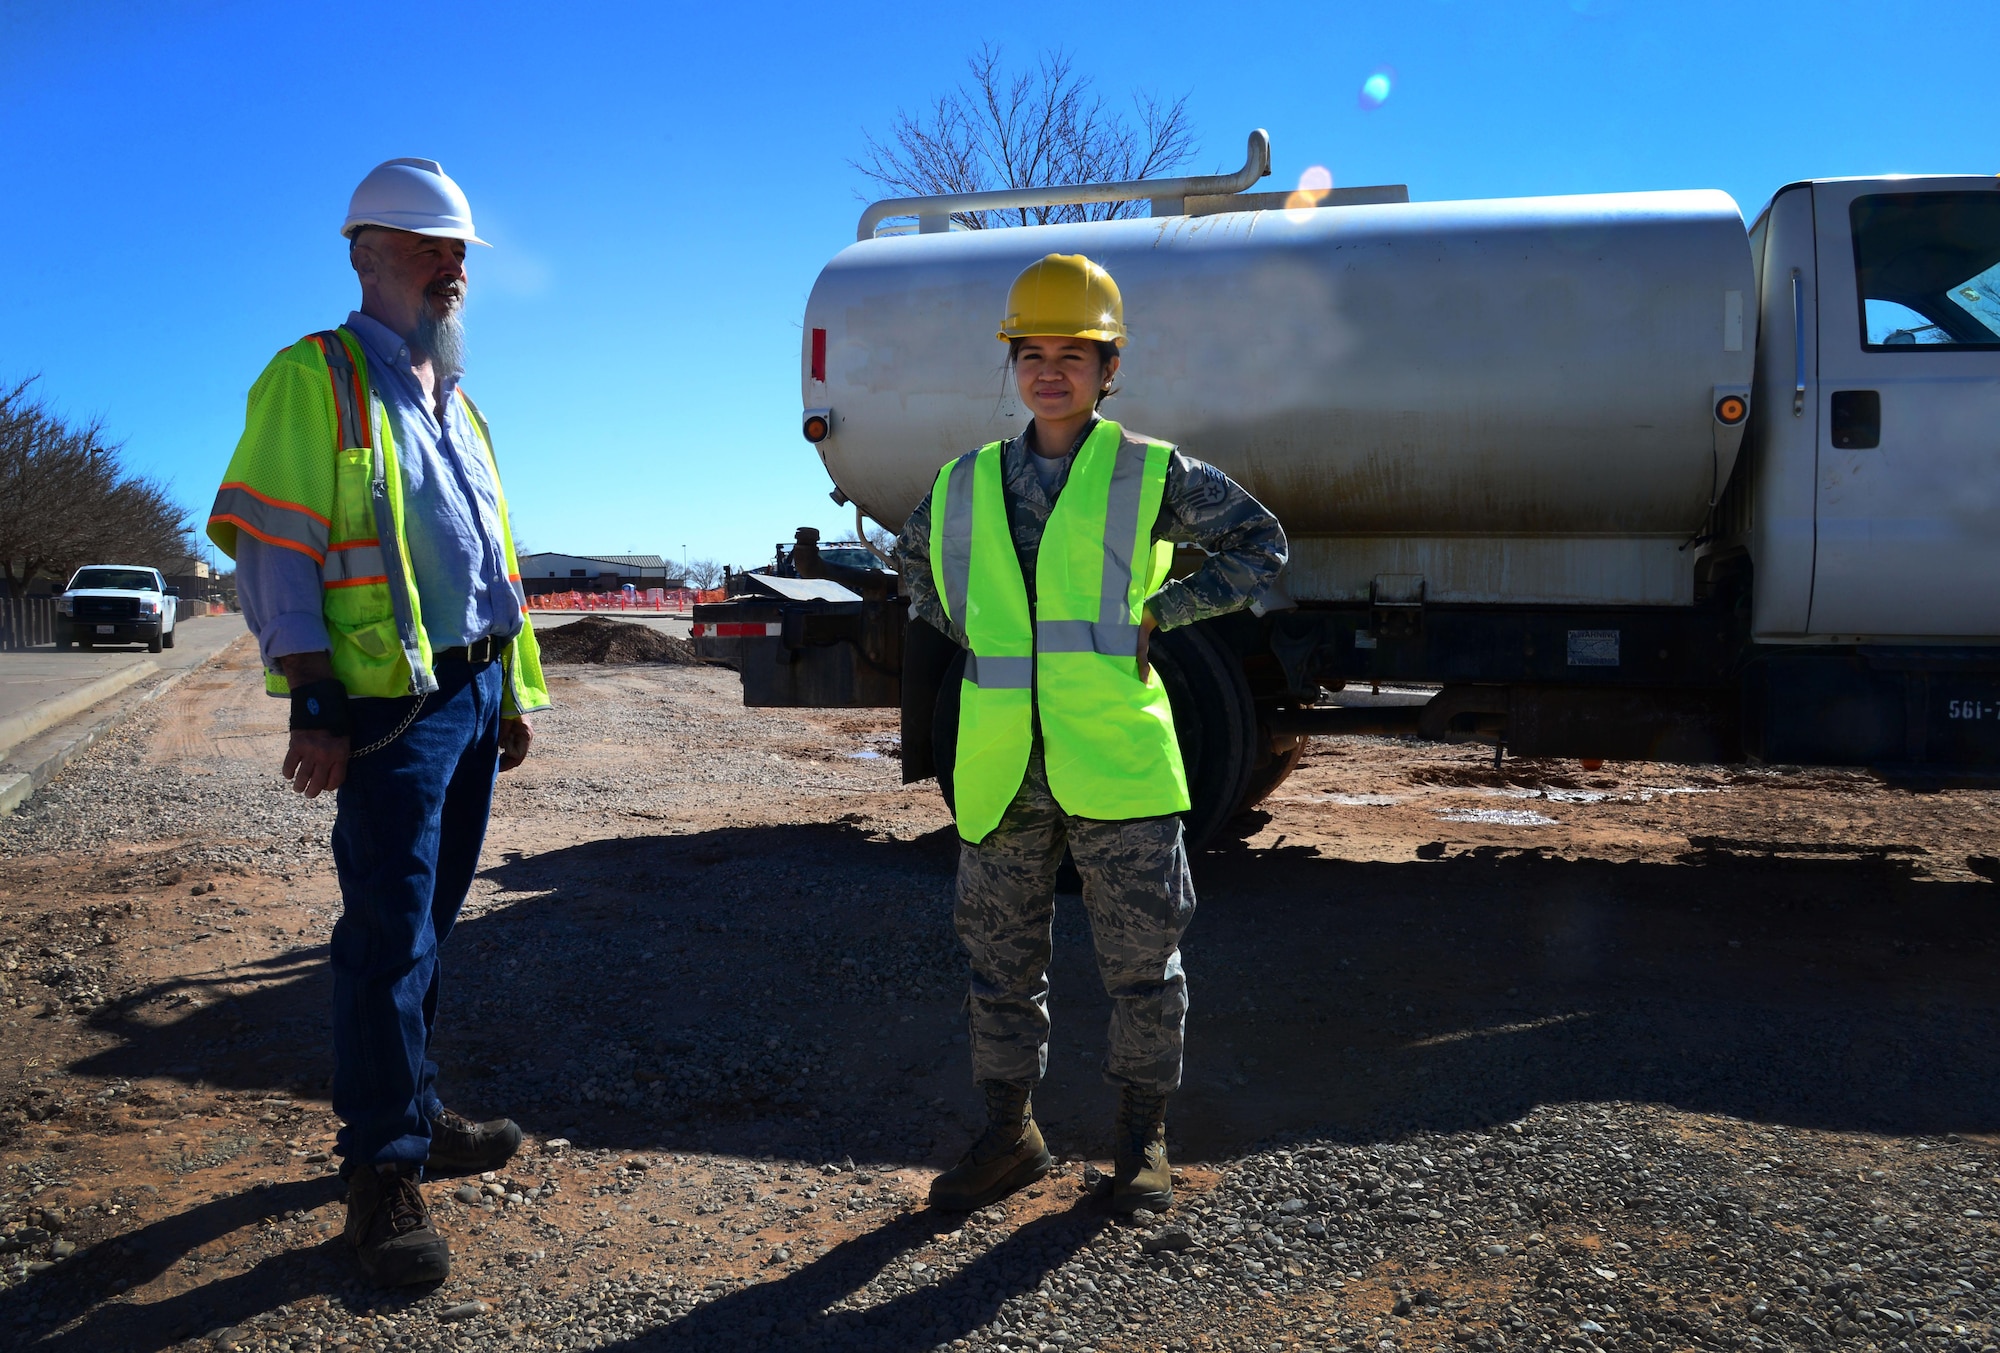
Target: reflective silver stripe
422	681
1121	529
269	521
1087	636
1000	674
349	429
355	563
957	548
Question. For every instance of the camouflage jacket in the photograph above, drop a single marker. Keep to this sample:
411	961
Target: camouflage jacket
1202	505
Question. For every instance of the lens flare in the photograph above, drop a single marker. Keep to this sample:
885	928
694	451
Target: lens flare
1375	89
1313	187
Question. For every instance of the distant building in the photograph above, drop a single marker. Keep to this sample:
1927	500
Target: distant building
542	573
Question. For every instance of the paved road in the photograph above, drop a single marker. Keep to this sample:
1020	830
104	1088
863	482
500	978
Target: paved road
36	675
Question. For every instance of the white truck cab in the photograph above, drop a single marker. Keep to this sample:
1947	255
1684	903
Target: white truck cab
1873	506
116	604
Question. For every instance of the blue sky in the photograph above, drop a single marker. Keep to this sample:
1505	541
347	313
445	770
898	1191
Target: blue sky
662	184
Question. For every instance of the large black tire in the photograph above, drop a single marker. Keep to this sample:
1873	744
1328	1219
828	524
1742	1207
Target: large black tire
167	639
1213	717
1216	722
154	643
944	727
1275	764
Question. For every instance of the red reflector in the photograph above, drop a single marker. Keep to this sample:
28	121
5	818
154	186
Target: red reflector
735	629
819	355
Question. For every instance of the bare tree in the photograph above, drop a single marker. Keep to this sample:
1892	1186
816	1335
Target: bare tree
702	574
1028	129
66	500
883	541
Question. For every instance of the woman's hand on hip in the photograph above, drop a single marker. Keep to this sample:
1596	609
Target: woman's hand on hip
1148	622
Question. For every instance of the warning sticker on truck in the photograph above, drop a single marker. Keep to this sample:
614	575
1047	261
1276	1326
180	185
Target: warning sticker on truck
1593	648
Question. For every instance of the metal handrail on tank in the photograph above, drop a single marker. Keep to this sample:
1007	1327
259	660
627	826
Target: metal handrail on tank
1168	196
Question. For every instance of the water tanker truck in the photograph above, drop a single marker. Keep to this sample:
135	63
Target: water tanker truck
1619	476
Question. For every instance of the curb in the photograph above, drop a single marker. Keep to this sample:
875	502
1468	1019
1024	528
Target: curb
18	728
17	787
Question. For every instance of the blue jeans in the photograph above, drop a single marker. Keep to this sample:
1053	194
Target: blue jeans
406	841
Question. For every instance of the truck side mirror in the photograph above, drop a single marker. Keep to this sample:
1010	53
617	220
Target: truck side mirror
173	591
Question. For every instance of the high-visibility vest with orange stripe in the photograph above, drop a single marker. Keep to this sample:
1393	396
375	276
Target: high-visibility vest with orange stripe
1069	659
316	472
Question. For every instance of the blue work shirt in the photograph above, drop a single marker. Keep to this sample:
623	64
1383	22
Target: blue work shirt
451	519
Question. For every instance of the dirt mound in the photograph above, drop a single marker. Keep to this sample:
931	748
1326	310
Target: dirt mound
618	642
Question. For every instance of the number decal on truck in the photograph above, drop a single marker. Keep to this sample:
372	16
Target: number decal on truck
1970	709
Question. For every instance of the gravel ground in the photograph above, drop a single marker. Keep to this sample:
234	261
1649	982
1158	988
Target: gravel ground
1695	1060
187	781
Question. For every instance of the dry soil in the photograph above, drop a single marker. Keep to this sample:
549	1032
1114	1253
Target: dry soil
1649	1057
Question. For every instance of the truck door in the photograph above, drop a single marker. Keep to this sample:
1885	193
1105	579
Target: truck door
1907	508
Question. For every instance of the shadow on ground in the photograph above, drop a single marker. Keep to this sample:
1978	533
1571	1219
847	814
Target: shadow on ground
1356	1000
93	1277
797	1305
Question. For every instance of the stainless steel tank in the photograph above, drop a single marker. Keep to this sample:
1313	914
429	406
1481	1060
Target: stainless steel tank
1508	400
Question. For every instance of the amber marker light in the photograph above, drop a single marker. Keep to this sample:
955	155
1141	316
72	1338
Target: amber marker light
818	423
1729	410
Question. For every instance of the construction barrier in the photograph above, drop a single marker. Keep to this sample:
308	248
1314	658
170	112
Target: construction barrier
655	599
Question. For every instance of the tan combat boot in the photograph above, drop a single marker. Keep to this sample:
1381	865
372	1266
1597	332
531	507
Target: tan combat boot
1009	1155
1140	1175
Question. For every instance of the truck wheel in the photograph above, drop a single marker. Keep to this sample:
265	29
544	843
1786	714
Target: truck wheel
155	643
1215	720
1278	755
1213	717
167	639
944	728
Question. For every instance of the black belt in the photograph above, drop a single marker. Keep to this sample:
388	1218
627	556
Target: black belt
483	650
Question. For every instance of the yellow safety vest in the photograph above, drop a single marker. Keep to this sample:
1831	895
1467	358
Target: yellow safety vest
315	471
1107	738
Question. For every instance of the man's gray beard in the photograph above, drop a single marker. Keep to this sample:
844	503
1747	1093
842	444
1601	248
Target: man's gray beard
441	336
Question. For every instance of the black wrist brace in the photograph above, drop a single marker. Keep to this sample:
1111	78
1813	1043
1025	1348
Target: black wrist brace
320	706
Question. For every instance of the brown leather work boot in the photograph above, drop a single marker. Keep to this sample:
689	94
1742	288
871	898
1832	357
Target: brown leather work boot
390	1228
1009	1155
461	1146
1140	1175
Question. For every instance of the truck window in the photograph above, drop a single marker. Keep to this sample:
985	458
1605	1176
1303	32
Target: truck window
114	579
1927	266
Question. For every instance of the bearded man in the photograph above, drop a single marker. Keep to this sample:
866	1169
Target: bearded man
376	568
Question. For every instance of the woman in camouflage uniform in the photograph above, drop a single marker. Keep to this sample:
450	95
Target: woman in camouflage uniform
1065	325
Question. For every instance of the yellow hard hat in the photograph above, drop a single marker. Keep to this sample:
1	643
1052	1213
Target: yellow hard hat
1066	296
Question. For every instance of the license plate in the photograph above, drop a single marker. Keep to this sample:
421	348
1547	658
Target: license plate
107	629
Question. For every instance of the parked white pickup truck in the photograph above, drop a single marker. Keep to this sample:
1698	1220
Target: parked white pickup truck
116	604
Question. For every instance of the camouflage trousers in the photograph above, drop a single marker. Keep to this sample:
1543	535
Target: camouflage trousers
1139	897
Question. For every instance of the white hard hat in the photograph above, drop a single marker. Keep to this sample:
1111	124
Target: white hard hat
413	195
